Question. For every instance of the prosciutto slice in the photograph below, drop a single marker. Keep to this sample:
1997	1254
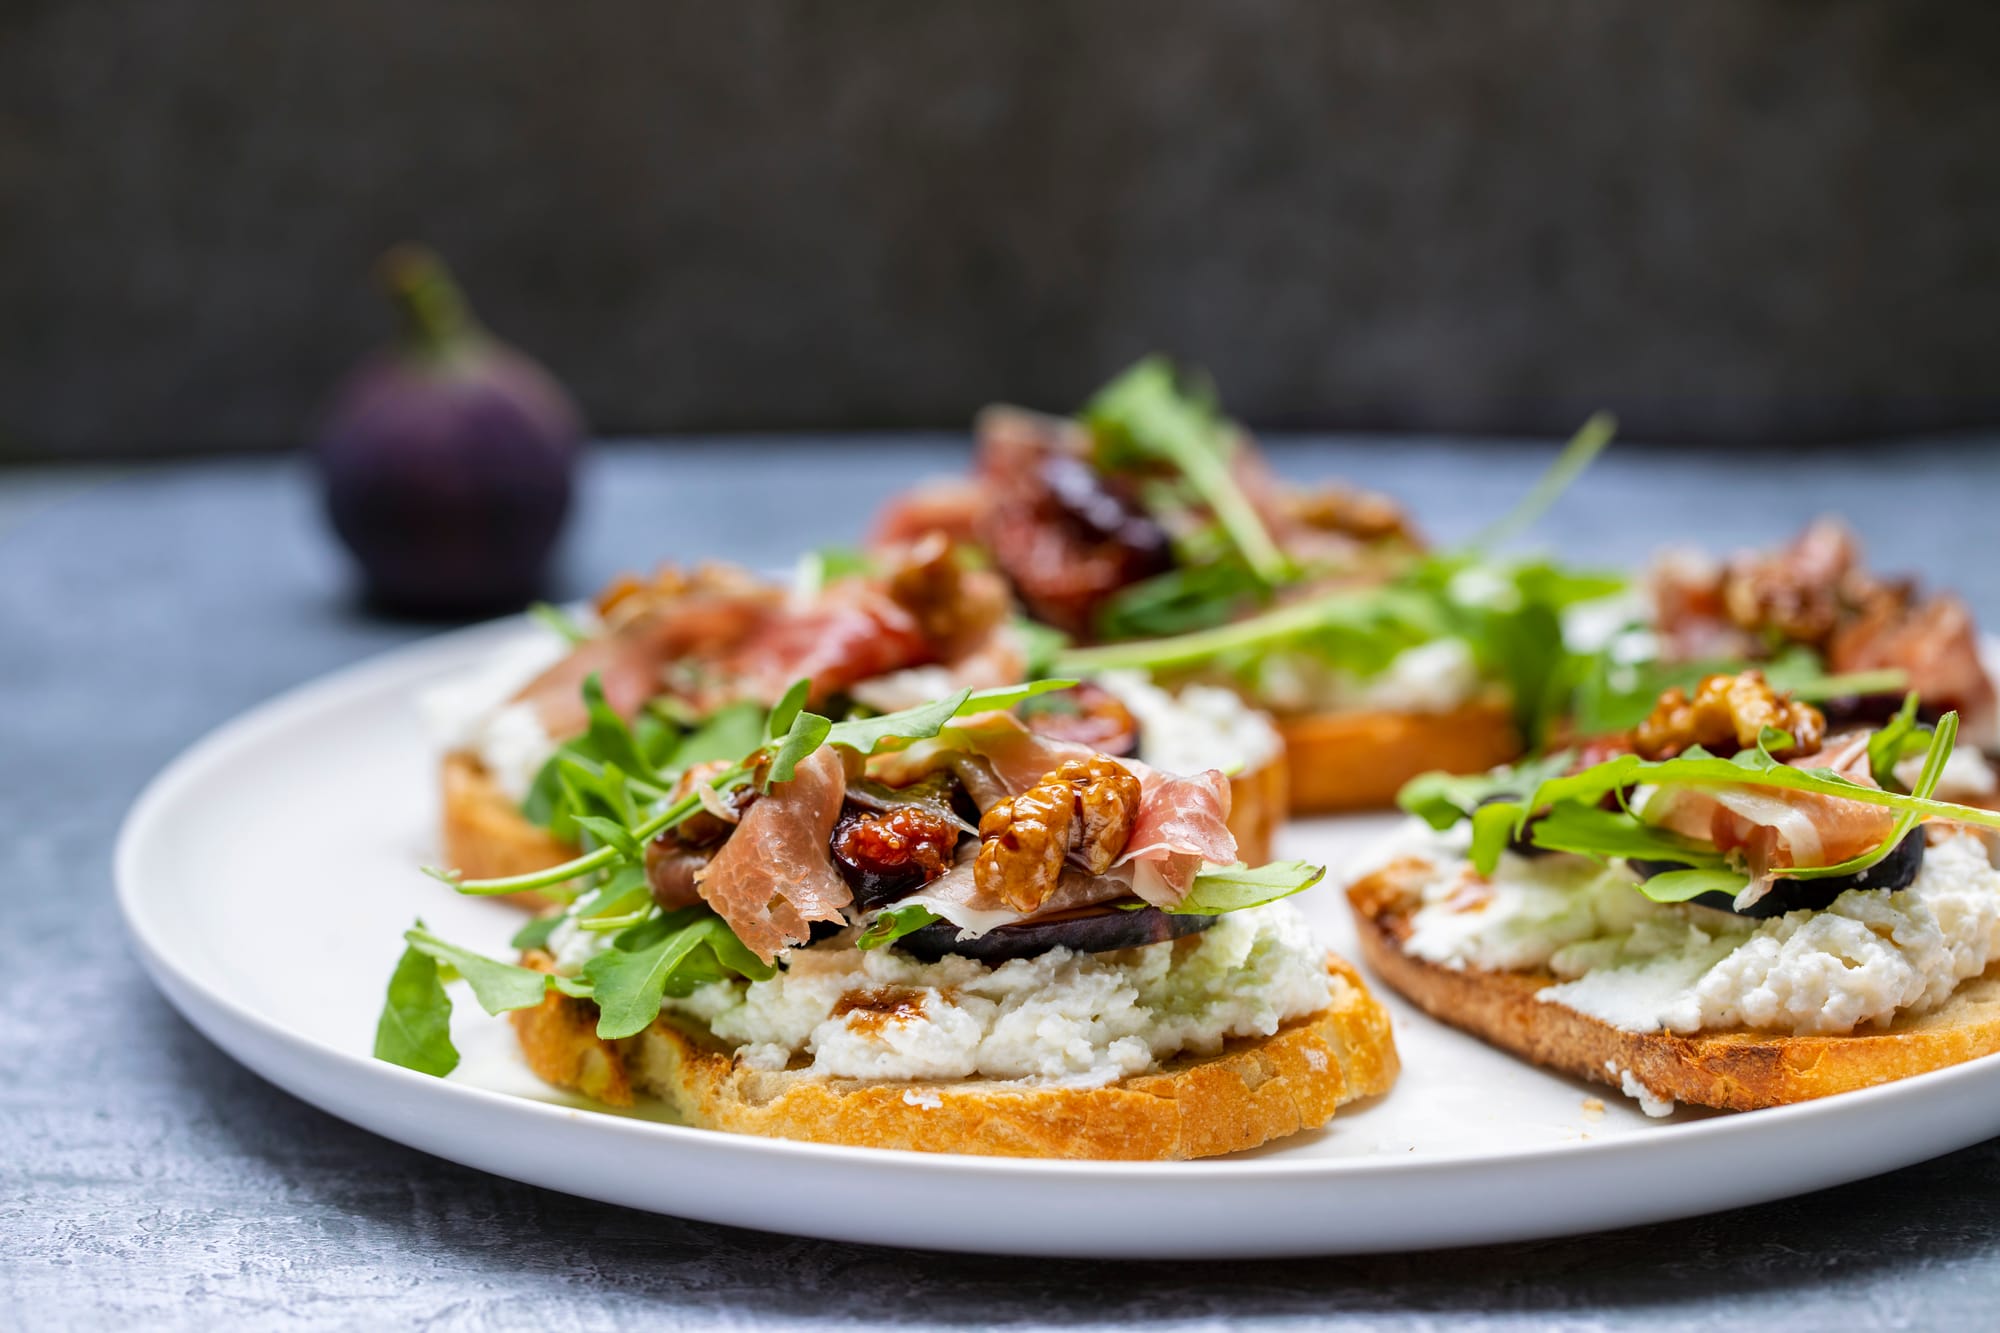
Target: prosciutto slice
775	876
632	661
1182	822
852	632
1774	827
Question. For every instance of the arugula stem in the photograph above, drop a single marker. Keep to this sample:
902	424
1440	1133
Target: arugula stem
1582	449
1888	680
1178	650
603	856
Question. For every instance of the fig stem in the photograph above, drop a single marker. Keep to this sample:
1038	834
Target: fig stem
429	305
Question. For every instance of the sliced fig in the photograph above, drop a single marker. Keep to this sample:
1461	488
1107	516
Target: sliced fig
1895	871
1099	929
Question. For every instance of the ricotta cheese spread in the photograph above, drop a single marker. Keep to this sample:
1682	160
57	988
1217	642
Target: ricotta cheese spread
1077	1018
1195	728
1650	967
1433	677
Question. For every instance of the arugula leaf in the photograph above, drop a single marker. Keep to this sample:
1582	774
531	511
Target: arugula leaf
535	935
1191	597
1898	738
1677	886
1233	888
497	986
1144	417
415	1028
729	733
623	900
807	733
673	951
611	833
1442	799
1040	645
788	708
1590	830
1348	618
592	861
892	923
1943	738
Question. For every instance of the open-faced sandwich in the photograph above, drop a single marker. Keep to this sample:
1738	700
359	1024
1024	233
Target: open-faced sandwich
1728	905
689	663
1149	532
933	929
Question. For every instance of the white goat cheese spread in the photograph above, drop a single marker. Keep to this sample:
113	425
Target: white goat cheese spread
1076	1018
1649	967
474	711
1194	728
1433	677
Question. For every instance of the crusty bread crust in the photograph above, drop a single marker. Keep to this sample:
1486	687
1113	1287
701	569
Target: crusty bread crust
1360	760
1736	1070
1252	1091
486	836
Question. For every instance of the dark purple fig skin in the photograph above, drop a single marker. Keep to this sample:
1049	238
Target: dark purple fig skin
1098	931
446	461
1894	871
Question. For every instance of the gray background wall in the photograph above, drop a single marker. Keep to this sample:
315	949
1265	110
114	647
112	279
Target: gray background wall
1729	219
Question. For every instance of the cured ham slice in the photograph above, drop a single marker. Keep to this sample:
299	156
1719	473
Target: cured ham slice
775	876
1182	822
632	661
850	633
1774	827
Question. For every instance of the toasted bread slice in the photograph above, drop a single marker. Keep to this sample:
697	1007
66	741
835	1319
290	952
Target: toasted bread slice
486	836
1360	760
1736	1070
1252	1091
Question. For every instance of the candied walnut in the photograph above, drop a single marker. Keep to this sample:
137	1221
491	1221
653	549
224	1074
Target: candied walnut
1023	842
1107	801
1086	714
954	607
1793	594
1083	810
1727	714
885	854
1365	515
629	597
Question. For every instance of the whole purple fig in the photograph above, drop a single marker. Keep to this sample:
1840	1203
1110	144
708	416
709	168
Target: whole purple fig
447	457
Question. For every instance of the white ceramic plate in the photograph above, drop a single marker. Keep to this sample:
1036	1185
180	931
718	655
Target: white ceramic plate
268	873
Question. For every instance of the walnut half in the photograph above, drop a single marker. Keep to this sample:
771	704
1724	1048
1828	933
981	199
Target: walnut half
1727	714
1084	811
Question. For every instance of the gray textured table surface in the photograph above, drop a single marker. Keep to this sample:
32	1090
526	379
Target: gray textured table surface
147	1180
